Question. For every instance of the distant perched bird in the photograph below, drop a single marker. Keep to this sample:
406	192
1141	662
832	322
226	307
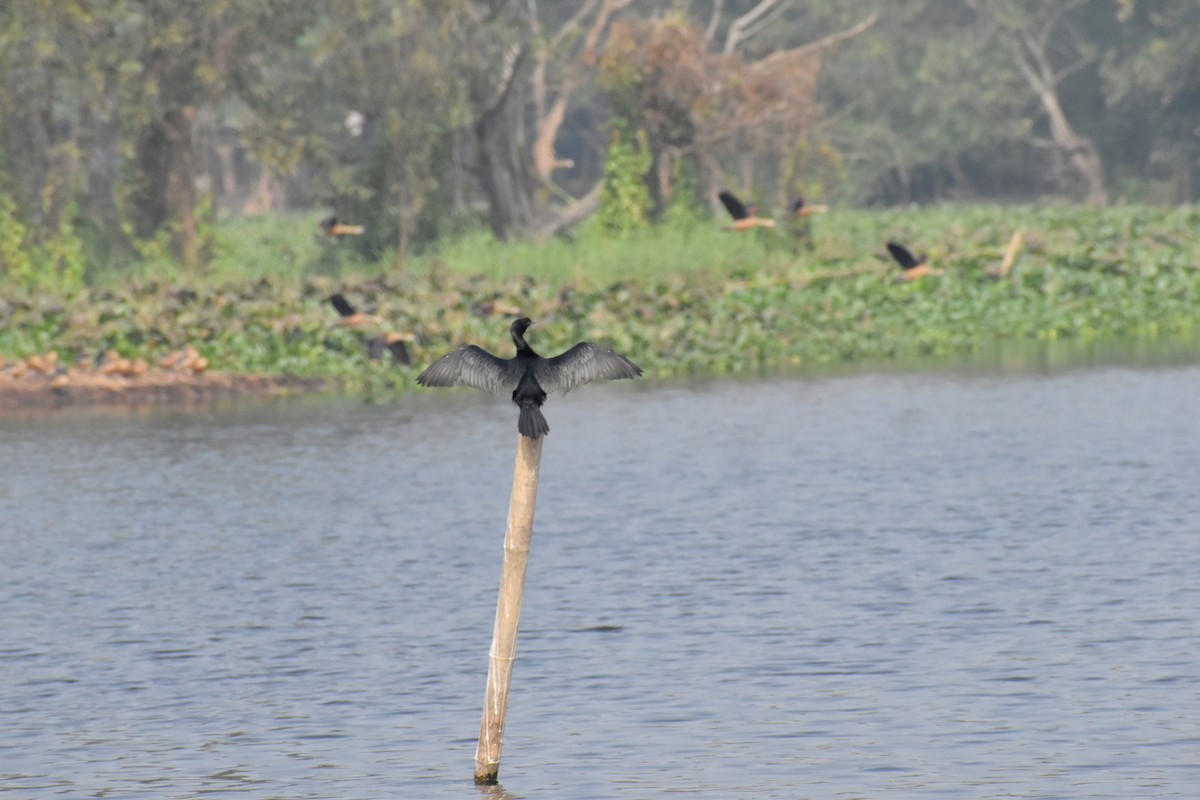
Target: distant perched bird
331	227
528	375
911	267
744	217
391	342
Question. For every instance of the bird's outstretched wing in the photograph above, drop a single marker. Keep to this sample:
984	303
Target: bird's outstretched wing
583	363
342	305
902	255
733	205
472	366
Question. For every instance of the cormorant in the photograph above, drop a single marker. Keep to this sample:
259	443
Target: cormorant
744	217
528	375
331	227
912	267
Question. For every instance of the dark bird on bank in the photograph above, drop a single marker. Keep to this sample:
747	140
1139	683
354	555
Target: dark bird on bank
529	376
912	267
390	342
331	227
744	217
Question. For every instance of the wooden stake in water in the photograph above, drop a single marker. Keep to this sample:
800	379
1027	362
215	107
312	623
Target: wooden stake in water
508	608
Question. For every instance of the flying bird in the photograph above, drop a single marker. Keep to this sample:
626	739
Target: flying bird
529	376
391	342
744	217
912	267
802	208
351	317
394	343
331	227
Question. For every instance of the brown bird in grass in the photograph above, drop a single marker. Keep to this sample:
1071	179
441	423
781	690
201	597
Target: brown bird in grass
744	217
529	376
392	342
331	227
912	267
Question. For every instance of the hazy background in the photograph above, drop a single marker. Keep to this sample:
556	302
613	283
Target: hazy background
129	128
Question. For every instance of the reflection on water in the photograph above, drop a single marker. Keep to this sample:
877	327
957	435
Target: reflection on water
914	585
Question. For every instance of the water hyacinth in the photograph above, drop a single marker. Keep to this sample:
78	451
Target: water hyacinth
726	304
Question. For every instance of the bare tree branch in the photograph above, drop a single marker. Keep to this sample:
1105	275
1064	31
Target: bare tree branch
512	62
550	119
839	37
753	30
572	215
1029	55
573	23
714	20
737	29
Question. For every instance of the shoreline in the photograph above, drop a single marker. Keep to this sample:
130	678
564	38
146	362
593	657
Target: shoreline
156	387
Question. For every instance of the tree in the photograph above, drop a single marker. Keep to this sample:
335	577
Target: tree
1151	80
120	87
1046	49
719	111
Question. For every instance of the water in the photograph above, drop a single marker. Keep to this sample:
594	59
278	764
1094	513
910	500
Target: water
923	586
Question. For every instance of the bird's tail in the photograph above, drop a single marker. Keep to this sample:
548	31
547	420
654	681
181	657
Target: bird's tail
532	423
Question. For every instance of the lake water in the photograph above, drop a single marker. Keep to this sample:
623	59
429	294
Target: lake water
929	585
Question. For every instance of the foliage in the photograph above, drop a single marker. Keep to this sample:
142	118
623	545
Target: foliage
678	299
935	103
718	112
625	203
130	128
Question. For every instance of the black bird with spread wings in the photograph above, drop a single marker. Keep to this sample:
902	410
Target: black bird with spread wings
744	217
904	256
529	376
911	267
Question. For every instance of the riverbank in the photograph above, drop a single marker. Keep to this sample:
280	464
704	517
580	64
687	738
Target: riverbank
759	304
24	389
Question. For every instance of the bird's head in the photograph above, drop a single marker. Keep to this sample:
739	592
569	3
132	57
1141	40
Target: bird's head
517	330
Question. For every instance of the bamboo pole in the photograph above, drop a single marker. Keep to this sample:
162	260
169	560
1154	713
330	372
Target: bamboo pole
508	608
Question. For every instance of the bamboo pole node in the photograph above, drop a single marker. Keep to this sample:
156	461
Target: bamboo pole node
502	653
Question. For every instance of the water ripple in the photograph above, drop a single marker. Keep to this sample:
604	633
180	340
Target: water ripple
920	586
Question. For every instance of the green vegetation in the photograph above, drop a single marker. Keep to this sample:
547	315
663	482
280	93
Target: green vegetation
423	120
680	299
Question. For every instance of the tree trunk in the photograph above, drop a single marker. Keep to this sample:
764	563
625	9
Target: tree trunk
100	137
1032	61
166	191
502	174
180	190
1080	151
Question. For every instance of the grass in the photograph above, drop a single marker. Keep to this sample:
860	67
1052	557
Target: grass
680	299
